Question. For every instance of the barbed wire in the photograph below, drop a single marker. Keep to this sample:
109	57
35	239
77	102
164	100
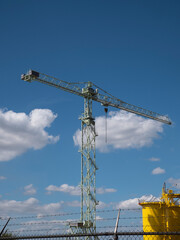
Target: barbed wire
69	221
67	214
40	216
71	214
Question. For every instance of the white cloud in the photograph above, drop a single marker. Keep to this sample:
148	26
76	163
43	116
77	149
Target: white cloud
124	130
29	190
134	202
2	178
153	159
72	190
33	206
29	206
102	190
102	205
128	204
73	204
76	190
98	218
158	170
175	182
20	132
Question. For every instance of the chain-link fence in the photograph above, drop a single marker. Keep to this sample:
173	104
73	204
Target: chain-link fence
65	226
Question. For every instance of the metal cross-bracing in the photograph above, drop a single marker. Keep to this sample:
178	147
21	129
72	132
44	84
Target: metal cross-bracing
88	168
90	92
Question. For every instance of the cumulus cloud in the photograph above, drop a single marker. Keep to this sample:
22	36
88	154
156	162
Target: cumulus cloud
124	130
33	206
158	170
174	182
153	159
29	190
76	190
134	202
72	190
20	132
29	206
128	204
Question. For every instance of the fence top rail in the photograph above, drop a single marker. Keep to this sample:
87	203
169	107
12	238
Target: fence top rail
89	235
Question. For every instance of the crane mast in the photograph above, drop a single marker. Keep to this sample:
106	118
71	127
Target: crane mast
88	167
90	92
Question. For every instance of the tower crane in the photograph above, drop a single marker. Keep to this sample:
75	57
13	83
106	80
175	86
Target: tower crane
90	92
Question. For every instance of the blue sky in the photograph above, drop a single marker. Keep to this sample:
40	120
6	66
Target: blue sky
130	49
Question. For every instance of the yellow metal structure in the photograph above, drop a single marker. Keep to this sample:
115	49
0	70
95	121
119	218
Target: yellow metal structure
162	216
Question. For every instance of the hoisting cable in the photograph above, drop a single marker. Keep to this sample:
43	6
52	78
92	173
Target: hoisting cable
106	111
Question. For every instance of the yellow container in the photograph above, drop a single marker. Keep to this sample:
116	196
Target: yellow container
153	219
162	216
173	219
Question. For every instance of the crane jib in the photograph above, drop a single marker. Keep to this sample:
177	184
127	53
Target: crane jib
87	91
